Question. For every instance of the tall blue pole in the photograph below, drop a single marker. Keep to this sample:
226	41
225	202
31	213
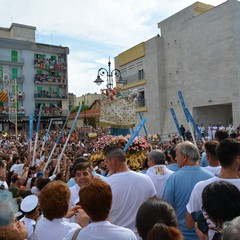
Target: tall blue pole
176	122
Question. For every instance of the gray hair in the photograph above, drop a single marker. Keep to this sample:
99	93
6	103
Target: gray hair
158	156
189	149
8	208
231	229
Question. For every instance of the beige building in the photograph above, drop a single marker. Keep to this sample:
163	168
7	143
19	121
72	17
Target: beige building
87	99
198	53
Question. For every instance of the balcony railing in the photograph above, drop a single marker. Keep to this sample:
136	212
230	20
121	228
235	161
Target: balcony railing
51	111
43	78
11	60
134	78
140	103
48	64
49	95
19	79
5	111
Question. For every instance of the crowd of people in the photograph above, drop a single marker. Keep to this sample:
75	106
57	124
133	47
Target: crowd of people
74	198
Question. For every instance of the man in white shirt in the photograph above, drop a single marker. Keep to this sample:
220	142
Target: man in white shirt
130	189
157	170
228	152
29	206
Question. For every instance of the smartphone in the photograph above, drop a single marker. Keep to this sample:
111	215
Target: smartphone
201	221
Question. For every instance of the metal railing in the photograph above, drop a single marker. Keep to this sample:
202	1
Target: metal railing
140	103
133	78
10	59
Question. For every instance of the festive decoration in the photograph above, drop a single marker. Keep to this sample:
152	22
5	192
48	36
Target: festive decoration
136	153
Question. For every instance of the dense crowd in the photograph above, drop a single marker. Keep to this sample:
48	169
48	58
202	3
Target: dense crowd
182	191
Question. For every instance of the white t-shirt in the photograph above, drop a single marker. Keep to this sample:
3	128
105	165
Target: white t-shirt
159	175
57	229
74	199
214	170
17	168
30	224
105	231
130	189
195	201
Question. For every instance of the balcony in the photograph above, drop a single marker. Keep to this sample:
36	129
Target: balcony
20	79
50	112
45	95
140	103
50	65
48	79
5	112
134	78
11	61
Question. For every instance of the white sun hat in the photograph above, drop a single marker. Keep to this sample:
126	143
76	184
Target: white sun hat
29	203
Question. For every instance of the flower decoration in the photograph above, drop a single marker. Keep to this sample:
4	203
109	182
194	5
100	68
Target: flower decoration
136	153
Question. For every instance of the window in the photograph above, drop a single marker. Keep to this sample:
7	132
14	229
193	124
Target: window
140	74
14	73
14	56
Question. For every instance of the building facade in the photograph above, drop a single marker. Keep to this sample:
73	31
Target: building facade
32	74
198	53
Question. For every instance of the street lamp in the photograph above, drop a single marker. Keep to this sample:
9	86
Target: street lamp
109	75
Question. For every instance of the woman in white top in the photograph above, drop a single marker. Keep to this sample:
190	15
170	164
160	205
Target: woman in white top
54	201
96	201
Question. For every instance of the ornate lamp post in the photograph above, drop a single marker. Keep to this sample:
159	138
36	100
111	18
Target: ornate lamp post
109	74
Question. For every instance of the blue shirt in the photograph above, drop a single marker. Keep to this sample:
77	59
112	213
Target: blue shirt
178	190
173	167
204	161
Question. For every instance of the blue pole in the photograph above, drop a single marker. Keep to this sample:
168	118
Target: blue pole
39	118
31	126
145	130
194	124
183	105
140	125
176	122
60	134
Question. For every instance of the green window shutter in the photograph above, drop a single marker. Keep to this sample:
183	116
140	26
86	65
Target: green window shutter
1	104
39	89
14	56
39	71
14	73
58	90
53	58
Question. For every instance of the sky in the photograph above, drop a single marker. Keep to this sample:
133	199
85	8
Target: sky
94	30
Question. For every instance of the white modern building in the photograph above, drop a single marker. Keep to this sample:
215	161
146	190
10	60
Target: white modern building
31	74
196	52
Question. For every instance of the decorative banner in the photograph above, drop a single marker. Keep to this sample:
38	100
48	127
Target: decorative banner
176	121
117	113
